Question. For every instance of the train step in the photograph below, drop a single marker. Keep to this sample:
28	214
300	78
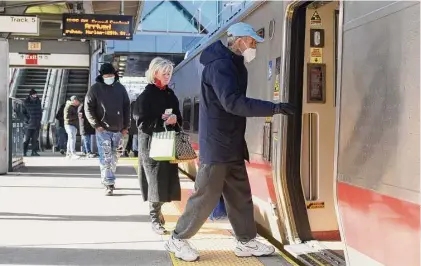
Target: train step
315	253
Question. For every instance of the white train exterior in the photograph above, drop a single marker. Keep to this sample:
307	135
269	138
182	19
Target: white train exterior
346	168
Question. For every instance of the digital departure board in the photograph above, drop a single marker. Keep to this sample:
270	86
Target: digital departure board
111	27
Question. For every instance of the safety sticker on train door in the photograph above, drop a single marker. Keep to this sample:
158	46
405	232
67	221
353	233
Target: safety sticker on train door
315	20
276	86
315	205
316	55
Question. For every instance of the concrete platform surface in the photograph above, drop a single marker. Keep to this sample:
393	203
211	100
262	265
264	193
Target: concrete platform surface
54	212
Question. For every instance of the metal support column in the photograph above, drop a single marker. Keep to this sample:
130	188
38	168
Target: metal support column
4	96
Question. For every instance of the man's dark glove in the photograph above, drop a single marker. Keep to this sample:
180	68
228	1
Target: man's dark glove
284	108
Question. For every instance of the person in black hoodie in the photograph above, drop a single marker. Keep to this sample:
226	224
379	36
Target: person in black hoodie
33	113
159	180
86	131
107	108
223	110
133	132
61	131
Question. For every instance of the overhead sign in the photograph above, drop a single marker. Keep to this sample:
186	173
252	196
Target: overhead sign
48	60
34	46
111	27
19	24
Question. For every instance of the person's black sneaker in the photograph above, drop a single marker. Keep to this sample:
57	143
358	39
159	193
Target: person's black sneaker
159	229
63	152
109	189
34	153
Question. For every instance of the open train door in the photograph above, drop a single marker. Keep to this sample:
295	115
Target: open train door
307	147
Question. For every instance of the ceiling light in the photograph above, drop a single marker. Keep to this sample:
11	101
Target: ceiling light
122	64
121	68
123	58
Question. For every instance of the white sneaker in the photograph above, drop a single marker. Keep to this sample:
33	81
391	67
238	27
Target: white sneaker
74	156
181	249
253	248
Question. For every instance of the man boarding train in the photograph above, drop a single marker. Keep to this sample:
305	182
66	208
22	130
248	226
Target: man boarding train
222	122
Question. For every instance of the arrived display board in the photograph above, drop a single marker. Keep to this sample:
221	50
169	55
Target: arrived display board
110	27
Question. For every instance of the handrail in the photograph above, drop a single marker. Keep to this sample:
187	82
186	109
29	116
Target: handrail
56	95
12	81
16	99
46	86
12	78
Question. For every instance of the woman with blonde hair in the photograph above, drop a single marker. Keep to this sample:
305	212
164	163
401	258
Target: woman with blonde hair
157	108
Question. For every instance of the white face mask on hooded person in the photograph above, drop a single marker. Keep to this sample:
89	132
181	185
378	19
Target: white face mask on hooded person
249	54
109	80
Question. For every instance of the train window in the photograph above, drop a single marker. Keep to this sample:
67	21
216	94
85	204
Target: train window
187	114
196	115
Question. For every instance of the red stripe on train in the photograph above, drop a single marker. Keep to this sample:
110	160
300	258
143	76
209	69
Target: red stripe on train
384	228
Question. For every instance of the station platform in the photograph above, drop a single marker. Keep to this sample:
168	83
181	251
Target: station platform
54	212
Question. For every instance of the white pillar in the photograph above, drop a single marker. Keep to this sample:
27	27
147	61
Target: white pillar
4	98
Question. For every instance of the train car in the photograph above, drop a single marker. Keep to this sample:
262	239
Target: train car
345	169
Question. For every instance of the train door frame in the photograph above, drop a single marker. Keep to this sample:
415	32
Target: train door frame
286	159
294	125
338	83
293	56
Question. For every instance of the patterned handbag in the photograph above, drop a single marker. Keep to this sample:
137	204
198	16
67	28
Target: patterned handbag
184	151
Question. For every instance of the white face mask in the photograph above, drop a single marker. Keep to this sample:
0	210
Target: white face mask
109	80
249	54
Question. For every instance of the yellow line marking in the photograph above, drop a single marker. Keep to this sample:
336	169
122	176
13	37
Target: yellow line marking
316	260
283	255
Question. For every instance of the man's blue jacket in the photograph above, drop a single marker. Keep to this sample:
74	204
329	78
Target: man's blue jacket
224	106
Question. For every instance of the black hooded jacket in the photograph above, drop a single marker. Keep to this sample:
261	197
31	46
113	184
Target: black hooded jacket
151	105
84	126
108	106
33	112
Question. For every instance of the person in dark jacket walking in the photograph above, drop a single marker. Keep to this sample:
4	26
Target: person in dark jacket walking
133	132
33	113
222	122
86	131
159	179
107	108
71	124
61	131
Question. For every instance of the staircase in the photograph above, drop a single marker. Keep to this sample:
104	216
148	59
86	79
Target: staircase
77	83
32	79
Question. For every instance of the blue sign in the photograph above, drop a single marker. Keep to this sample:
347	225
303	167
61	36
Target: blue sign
270	70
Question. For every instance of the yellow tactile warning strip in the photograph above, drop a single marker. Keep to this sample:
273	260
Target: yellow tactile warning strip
214	241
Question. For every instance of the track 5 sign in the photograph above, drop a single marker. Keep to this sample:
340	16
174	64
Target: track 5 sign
110	27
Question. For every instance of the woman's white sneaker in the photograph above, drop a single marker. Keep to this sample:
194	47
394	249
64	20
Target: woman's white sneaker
253	248
181	249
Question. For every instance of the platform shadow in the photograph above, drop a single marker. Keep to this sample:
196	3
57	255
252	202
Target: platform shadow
76	171
72	218
73	256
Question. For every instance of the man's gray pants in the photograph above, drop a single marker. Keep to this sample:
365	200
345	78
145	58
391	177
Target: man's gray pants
230	180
